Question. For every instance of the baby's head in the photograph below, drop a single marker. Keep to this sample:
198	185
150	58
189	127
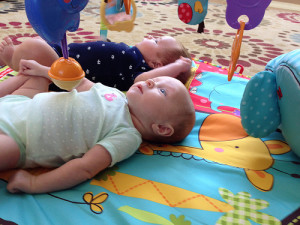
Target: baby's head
162	51
161	109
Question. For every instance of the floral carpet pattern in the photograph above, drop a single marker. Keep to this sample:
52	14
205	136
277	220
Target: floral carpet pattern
278	32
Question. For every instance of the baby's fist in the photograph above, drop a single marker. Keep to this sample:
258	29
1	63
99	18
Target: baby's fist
184	69
184	64
20	182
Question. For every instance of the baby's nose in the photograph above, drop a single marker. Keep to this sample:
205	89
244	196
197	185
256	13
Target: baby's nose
150	83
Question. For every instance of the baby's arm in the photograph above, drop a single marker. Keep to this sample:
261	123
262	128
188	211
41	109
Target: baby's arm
32	83
68	175
179	69
84	85
33	68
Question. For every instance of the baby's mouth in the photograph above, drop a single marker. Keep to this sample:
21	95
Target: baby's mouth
140	88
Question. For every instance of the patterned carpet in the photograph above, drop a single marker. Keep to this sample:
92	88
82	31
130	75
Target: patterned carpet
278	33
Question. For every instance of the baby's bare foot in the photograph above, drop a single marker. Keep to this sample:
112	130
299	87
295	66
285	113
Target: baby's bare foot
6	51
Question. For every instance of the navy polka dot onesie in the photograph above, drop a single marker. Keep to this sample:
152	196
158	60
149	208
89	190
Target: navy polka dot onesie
112	64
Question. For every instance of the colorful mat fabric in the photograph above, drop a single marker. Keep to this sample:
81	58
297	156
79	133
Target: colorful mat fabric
217	175
6	72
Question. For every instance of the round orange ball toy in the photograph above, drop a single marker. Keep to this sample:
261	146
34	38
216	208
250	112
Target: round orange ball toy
66	73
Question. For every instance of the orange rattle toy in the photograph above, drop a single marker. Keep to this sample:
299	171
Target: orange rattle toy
66	73
235	52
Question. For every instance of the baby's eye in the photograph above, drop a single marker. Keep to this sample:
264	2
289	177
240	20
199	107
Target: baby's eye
163	91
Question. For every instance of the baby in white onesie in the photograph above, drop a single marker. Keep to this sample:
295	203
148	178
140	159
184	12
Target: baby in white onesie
53	128
82	132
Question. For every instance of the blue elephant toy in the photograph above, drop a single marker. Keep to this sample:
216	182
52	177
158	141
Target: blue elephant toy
271	100
52	18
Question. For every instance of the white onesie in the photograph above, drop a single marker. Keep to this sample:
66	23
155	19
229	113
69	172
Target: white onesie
53	128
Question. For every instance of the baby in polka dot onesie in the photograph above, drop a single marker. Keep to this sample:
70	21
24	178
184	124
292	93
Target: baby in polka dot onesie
113	64
82	132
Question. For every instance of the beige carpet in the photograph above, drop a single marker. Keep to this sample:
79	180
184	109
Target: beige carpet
278	33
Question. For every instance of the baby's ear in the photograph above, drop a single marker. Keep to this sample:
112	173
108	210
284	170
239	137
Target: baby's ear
166	130
155	64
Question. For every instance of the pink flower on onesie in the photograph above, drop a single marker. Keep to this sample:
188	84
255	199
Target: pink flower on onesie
110	97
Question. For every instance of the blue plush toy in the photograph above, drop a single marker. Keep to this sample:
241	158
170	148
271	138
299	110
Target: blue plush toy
52	18
272	100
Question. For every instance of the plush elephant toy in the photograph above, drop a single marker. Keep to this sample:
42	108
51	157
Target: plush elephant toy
272	100
52	18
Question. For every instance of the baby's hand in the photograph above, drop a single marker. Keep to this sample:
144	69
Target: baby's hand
32	68
183	69
27	67
21	181
184	64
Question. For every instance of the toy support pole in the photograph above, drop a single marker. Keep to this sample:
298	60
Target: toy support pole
64	47
103	31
